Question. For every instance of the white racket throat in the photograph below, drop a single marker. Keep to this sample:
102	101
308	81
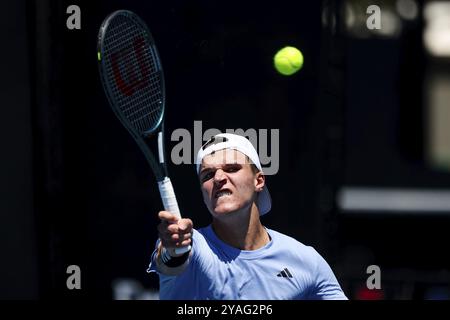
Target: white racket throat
160	148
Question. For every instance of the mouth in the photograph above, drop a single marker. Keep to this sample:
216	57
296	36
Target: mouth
222	193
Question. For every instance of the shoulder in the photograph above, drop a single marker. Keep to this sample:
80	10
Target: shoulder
284	242
281	237
322	283
304	255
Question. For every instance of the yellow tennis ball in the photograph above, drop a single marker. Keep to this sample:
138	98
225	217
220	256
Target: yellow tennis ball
288	60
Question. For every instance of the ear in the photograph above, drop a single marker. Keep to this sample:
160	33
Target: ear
260	181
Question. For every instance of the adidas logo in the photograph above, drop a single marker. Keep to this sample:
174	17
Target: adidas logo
285	273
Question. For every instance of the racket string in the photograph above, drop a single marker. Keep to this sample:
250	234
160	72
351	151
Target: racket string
143	106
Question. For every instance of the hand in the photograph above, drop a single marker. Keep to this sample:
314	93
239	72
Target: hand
174	232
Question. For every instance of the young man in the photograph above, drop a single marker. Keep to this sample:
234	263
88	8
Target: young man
236	257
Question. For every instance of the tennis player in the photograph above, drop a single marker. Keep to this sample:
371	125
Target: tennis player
236	257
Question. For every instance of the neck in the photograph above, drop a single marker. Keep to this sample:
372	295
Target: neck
243	231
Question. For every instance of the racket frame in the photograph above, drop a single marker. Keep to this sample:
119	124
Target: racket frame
142	138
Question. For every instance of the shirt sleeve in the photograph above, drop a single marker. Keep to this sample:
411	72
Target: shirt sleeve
181	286
326	286
152	265
165	282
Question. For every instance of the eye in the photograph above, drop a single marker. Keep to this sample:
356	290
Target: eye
206	176
232	168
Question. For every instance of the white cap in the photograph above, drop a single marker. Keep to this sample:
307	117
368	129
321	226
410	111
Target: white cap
243	145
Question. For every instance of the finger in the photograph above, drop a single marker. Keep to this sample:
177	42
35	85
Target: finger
168	241
185	236
168	229
185	243
167	216
182	236
163	229
185	225
173	228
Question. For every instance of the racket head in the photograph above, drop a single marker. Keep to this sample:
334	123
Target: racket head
131	72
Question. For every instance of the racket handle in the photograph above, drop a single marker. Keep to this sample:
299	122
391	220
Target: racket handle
170	204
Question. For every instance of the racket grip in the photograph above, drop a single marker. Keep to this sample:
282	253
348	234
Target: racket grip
170	204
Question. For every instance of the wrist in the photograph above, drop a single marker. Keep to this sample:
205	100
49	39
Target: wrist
171	252
172	259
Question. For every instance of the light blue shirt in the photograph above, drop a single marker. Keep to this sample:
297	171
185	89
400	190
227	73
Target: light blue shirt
281	270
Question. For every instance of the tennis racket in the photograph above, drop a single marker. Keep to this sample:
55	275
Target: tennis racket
133	80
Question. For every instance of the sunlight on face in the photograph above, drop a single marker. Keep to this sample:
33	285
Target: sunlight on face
227	181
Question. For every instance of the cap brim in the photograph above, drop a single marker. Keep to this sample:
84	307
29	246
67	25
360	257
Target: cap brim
264	201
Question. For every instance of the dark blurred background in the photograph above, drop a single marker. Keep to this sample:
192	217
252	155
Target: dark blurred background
364	149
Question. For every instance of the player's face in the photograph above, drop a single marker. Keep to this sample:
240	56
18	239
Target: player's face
228	183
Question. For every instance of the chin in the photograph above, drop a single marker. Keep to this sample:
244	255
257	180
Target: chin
221	211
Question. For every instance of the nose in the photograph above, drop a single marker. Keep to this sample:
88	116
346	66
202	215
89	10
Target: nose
219	176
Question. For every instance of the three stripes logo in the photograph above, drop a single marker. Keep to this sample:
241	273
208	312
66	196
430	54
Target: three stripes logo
284	273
